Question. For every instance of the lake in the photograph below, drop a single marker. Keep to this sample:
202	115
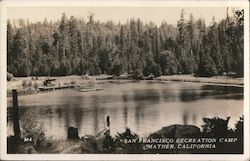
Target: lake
143	106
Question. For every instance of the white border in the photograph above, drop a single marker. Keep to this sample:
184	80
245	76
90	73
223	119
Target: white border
3	84
128	3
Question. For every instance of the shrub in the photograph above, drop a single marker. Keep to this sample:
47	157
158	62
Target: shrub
215	127
30	84
123	147
138	74
239	133
239	125
25	84
157	70
36	85
73	82
153	68
108	144
31	128
117	69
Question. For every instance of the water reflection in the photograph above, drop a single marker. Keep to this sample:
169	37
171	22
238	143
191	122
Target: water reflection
194	119
185	117
187	95
169	96
222	92
208	91
189	117
125	110
144	107
146	96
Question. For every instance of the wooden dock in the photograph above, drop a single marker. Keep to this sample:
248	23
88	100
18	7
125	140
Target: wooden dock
51	88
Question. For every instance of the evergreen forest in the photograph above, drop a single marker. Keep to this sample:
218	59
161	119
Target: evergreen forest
78	46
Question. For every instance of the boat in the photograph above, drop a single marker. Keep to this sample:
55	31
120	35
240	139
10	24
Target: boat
87	89
87	86
83	88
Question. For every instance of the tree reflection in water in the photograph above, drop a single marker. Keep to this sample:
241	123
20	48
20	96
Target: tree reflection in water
141	106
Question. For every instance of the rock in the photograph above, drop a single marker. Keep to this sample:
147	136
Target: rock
72	133
177	131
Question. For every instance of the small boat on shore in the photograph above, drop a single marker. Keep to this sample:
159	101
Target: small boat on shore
87	86
89	89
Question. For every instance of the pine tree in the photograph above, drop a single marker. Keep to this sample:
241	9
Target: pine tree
73	46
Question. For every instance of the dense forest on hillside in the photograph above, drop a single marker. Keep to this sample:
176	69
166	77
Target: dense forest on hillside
77	46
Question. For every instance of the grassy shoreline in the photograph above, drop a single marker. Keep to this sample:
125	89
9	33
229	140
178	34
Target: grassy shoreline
218	80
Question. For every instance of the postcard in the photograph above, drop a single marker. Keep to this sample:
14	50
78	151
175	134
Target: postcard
124	80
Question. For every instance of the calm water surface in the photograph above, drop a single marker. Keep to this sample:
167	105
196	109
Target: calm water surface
143	106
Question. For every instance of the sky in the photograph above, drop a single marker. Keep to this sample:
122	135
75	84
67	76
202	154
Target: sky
117	14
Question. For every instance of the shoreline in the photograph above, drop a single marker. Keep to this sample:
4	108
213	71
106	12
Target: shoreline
218	80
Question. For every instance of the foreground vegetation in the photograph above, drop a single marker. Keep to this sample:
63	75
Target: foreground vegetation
105	143
78	46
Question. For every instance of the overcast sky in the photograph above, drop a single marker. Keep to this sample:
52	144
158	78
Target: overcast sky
117	14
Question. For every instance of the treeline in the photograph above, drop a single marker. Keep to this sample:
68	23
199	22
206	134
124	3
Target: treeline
75	46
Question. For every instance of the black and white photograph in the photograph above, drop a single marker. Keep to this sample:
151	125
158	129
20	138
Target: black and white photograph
165	80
